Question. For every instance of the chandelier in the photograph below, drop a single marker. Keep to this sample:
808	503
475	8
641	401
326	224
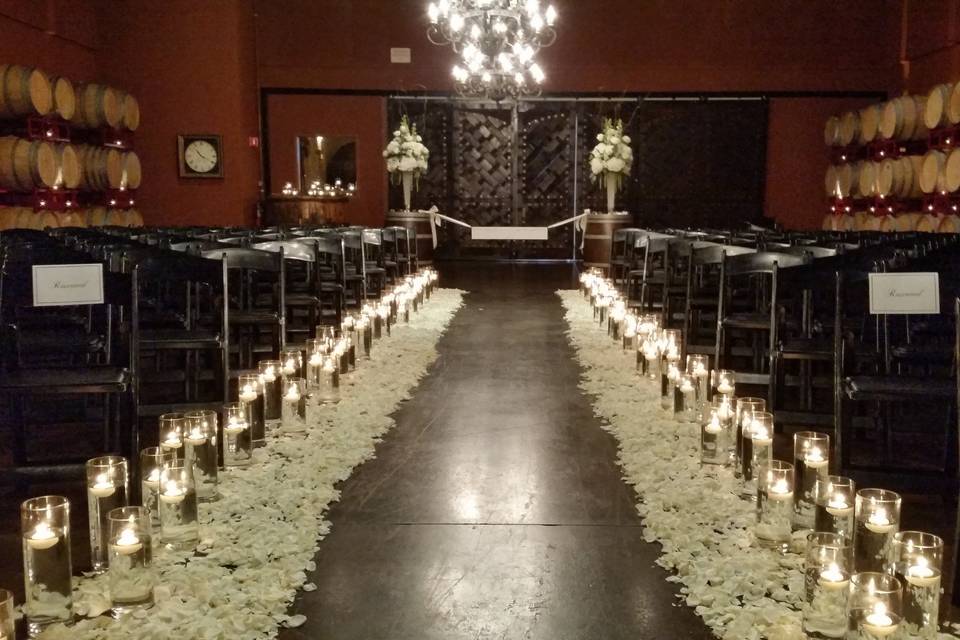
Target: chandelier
497	41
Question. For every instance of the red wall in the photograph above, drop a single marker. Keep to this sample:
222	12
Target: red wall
365	117
932	43
192	67
59	36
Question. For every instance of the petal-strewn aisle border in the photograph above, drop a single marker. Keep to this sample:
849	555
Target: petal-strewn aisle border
742	592
259	539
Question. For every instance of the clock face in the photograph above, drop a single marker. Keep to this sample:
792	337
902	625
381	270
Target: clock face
200	156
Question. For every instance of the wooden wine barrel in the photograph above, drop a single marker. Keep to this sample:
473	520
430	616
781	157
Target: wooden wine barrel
96	216
97	106
869	122
953	106
27	164
71	219
102	168
8	217
891	120
849	128
928	223
69	172
39	220
829	222
831	132
418	222
907	221
134	218
949	224
867	179
130	109
861	220
938	101
951	171
598	237
914	165
24	91
886	223
130	174
845	222
848	175
834	222
889	177
932	171
914	128
64	97
830	184
902	118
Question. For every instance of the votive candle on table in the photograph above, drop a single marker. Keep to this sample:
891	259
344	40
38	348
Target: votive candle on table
152	460
746	407
108	486
7	615
201	443
270	377
171	432
685	407
827	570
874	609
716	431
179	521
775	486
877	514
811	458
834	496
237	446
917	564
250	394
47	566
761	449
131	550
294	405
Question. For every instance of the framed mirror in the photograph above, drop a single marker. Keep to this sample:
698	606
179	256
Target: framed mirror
328	165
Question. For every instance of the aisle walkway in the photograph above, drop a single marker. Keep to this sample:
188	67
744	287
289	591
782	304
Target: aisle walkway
495	508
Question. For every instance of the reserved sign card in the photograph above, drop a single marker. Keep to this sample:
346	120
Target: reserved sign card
905	293
57	285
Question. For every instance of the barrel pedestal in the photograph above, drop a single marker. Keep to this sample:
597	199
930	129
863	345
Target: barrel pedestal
598	237
418	222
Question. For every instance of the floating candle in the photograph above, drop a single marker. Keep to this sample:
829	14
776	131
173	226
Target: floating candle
725	387
234	426
172	493
316	359
761	436
171	442
878	522
103	486
248	393
293	394
779	490
832	579
879	623
815	459
43	537
921	575
127	542
196	437
269	374
838	506
153	479
289	367
713	427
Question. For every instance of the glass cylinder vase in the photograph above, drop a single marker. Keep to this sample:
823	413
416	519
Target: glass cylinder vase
47	566
152	460
172	426
698	367
328	385
179	521
685	405
292	363
874	610
775	486
877	513
131	550
108	487
834	497
760	429
270	379
827	570
918	565
250	394
724	382
7	615
716	434
294	405
746	407
201	444
237	446
811	458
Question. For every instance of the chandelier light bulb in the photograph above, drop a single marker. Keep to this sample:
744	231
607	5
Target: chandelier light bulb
497	42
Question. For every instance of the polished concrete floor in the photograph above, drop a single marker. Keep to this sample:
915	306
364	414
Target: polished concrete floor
495	508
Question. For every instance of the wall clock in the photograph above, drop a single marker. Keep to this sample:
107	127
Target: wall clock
200	155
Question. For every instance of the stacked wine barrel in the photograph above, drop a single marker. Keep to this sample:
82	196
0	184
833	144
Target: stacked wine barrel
29	165
906	122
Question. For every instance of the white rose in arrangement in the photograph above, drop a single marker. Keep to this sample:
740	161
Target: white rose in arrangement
612	153
406	151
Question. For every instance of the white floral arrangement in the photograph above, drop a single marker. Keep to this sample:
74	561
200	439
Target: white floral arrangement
612	154
406	152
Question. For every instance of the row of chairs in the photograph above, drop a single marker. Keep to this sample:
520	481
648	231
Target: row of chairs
185	312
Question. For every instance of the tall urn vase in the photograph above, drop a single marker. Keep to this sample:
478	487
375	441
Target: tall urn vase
610	180
406	178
